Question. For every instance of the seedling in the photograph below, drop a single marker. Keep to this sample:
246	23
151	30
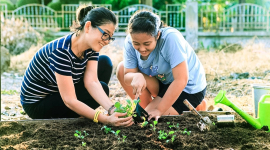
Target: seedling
129	108
78	134
124	138
107	129
173	125
173	138
144	122
163	135
186	132
117	132
154	125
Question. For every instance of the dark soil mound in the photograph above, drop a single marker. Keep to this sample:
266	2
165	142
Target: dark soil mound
59	134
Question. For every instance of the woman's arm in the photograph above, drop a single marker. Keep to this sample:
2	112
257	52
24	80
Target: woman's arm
67	92
94	87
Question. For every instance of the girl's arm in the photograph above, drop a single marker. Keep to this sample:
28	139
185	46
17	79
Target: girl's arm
135	79
180	74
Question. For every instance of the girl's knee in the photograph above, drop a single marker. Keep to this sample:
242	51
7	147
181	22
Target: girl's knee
120	70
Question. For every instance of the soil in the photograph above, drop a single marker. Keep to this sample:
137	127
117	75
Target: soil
59	134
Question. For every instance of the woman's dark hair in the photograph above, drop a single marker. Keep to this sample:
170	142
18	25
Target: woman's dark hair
98	16
144	21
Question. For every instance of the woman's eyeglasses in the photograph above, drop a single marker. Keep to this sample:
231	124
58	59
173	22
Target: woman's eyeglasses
105	36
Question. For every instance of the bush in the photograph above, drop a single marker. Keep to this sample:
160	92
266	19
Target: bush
18	36
24	2
55	5
10	5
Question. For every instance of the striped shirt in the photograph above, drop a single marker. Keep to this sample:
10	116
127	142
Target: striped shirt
56	56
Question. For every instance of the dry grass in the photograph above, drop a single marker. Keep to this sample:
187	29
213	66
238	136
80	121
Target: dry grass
253	59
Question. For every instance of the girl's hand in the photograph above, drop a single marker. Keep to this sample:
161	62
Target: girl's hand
139	84
154	114
114	120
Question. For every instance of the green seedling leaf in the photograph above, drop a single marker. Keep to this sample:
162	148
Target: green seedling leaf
124	138
117	132
173	138
83	143
171	132
107	129
168	122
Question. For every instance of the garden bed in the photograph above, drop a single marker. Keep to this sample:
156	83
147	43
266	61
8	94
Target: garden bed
59	134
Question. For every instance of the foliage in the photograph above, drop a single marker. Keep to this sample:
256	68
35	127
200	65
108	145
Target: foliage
24	2
129	108
9	92
46	2
117	4
69	1
57	6
18	36
10	5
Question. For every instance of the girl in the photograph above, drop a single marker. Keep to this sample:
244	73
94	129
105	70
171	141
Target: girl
67	78
159	64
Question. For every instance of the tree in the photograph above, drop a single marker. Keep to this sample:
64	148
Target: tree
146	2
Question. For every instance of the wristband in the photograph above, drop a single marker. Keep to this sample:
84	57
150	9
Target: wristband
96	117
110	109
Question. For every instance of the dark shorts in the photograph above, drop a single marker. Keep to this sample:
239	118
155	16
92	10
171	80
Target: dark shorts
179	106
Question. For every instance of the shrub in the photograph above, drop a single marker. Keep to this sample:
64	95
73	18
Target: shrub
18	36
24	2
55	6
10	5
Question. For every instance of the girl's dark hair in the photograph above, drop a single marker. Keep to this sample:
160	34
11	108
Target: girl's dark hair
144	21
98	16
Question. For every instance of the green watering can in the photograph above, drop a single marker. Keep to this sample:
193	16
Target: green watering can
263	120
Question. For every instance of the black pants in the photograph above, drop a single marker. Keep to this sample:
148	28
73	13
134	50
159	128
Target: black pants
179	106
53	105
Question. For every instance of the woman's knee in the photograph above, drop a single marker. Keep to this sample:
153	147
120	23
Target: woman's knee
105	88
105	61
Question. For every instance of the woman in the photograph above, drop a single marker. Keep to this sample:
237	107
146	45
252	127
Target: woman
67	78
160	67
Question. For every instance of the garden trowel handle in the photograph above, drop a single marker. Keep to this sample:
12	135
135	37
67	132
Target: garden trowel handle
191	108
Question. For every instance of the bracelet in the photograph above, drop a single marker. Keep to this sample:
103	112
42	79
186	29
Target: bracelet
110	109
96	116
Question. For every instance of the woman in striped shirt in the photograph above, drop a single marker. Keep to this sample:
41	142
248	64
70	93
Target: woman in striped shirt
67	78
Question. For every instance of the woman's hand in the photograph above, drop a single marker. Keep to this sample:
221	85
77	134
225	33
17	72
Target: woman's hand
138	84
114	120
155	113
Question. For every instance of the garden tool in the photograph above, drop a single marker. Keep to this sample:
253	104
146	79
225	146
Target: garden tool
262	122
139	114
205	123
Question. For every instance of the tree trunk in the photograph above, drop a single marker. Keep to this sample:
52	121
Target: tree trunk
146	2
